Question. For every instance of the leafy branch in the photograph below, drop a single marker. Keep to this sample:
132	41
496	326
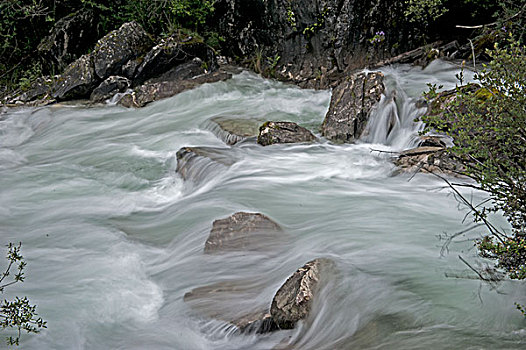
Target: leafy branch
18	313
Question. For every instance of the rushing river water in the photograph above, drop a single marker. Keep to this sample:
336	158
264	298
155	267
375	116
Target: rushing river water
114	237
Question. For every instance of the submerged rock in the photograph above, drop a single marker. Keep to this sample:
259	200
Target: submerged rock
351	104
233	302
233	130
293	301
257	322
429	160
241	231
196	163
109	87
283	132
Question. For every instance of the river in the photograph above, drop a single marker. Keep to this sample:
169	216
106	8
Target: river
114	237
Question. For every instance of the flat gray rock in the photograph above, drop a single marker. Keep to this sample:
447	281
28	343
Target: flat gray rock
242	231
283	132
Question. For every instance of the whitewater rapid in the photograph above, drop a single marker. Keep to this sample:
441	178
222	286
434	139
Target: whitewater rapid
114	237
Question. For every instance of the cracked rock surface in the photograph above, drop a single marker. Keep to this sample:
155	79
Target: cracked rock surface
293	301
351	104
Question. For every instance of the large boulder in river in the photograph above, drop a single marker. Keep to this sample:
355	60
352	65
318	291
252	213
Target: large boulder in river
293	301
241	231
118	47
283	132
351	104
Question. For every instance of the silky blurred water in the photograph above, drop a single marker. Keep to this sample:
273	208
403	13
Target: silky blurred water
114	237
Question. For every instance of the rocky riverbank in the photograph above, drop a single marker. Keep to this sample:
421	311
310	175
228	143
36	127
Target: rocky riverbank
130	62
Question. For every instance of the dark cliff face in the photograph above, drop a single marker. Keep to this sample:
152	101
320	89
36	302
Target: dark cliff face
316	40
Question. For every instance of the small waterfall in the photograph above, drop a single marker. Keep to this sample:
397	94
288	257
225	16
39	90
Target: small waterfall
393	122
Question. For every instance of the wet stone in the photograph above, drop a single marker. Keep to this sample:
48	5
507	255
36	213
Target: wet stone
351	104
233	130
196	163
283	132
428	159
241	231
293	301
183	77
233	302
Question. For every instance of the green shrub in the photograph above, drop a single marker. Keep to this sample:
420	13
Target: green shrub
17	313
488	126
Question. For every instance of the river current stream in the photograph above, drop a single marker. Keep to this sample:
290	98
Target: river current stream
114	237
